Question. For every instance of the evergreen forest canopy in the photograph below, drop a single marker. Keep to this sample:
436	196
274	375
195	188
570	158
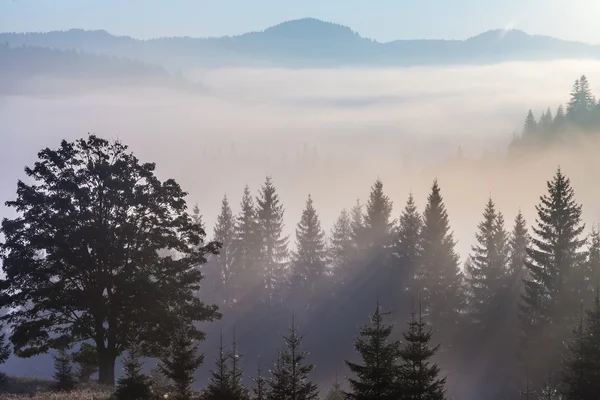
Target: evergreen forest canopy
103	261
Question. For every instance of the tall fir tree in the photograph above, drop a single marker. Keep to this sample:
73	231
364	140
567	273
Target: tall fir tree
358	226
560	120
406	251
439	277
224	233
582	102
246	247
341	248
274	244
487	268
554	283
309	261
377	376
134	385
377	216
419	376
180	363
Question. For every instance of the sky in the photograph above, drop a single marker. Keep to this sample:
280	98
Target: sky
382	20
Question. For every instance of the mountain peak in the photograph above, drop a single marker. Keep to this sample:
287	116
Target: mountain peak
498	34
310	28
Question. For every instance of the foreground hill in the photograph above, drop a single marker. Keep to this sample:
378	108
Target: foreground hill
310	43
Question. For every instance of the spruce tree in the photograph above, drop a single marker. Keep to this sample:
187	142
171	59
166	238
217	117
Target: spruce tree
377	376
260	389
419	377
180	362
274	251
134	385
358	226
518	243
64	378
560	120
239	391
291	377
309	260
582	102
220	385
407	248
341	247
279	381
377	217
246	246
530	129
223	233
487	267
439	276
335	393
554	283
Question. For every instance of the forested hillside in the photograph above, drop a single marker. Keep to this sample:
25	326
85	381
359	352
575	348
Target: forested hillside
127	271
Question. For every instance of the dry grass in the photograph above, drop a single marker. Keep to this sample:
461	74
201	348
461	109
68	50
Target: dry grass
39	389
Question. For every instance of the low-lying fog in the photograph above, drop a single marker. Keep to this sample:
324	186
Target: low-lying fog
329	132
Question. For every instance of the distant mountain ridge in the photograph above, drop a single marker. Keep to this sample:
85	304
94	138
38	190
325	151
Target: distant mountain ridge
309	42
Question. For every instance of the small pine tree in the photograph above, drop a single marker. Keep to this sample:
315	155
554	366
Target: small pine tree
134	385
419	378
220	384
239	391
377	377
181	362
279	380
292	373
260	388
64	378
335	393
358	226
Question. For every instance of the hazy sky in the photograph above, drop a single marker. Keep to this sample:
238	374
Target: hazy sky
381	19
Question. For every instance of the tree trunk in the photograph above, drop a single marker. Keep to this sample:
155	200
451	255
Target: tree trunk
106	368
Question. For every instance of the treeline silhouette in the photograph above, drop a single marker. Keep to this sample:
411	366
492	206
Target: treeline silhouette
581	115
104	257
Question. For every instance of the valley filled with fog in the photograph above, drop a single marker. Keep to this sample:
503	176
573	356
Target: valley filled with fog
327	132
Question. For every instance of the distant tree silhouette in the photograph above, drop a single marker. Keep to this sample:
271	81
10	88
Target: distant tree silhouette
377	222
224	233
64	378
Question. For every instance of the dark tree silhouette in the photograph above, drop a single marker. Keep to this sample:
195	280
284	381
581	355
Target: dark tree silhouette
377	218
87	360
224	233
85	249
419	377
554	285
64	378
309	261
181	361
377	376
134	385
